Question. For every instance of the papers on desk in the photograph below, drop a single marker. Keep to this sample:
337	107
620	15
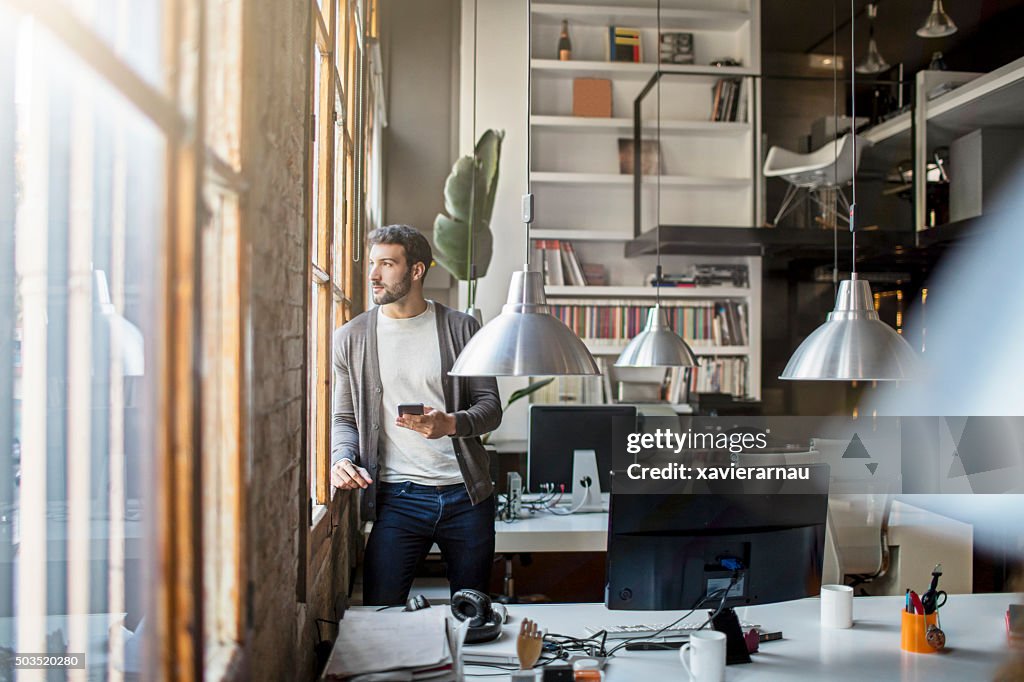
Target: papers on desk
396	647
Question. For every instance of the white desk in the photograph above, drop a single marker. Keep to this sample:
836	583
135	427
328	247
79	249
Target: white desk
974	627
553	533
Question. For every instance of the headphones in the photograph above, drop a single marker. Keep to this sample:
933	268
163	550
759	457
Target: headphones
485	618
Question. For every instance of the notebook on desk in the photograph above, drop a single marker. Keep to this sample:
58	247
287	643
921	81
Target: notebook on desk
501	651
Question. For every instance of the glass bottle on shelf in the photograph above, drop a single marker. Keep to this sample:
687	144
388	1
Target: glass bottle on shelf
564	44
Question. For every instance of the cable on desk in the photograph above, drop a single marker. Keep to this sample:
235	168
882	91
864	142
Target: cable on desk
724	591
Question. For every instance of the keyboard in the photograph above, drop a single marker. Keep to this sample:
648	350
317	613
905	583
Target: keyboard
677	631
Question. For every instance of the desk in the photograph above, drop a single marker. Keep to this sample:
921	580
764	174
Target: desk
553	533
974	628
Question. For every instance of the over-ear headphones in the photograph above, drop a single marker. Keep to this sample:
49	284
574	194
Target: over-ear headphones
485	618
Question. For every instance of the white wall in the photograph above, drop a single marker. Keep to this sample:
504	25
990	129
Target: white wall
501	84
420	40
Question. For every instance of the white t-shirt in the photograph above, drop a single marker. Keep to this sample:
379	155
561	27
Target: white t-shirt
410	371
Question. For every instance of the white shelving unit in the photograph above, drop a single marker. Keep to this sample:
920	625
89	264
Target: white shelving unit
979	101
709	176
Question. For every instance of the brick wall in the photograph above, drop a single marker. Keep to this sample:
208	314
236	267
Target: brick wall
275	148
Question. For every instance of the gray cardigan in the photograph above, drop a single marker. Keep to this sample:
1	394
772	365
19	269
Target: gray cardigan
357	401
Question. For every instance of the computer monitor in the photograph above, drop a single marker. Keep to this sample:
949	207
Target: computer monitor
557	431
667	551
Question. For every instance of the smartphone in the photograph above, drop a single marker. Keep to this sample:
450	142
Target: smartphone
410	408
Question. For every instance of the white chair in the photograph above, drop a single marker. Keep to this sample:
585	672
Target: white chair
819	172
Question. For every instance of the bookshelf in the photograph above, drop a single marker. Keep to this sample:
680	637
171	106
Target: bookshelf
708	173
710	177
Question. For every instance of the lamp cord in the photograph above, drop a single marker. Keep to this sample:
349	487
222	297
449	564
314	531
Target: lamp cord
835	153
657	171
528	198
853	161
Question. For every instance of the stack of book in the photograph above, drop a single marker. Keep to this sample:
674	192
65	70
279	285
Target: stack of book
730	324
713	375
721	274
557	259
729	99
419	645
718	323
669	279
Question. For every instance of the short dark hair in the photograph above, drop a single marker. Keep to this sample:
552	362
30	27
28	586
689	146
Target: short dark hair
417	248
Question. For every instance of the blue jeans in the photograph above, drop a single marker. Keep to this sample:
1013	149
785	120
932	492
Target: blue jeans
410	518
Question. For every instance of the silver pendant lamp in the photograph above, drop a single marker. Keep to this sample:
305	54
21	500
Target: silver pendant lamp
657	345
938	24
873	61
525	339
853	344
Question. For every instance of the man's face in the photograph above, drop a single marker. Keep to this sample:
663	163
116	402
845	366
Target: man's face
390	273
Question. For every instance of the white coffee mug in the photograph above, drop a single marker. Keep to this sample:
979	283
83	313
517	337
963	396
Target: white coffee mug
836	606
707	656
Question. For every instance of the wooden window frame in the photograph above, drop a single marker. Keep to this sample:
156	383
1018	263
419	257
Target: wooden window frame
177	110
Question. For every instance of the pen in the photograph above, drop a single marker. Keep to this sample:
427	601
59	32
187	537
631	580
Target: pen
916	603
907	605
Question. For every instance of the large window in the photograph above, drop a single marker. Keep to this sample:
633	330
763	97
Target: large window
120	288
347	112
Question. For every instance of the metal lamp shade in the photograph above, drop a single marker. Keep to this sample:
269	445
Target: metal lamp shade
853	344
657	345
525	339
873	61
938	24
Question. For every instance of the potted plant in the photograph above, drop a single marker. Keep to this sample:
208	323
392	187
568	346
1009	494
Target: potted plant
463	242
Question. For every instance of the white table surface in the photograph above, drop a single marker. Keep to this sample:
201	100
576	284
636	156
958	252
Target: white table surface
870	650
545	532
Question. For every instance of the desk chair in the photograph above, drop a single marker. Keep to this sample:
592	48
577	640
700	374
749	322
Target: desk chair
819	172
857	537
857	527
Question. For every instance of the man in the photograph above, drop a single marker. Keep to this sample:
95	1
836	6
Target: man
425	477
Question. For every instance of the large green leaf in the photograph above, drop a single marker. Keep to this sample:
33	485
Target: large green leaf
523	392
451	232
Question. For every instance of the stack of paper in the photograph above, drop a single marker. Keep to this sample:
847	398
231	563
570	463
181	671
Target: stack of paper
396	647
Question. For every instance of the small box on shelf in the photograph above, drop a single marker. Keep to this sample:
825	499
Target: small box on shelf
592	97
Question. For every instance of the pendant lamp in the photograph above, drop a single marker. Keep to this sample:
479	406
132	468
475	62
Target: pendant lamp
873	61
657	345
938	24
525	339
853	344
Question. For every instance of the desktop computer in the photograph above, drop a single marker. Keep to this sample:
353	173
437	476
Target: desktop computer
558	432
669	552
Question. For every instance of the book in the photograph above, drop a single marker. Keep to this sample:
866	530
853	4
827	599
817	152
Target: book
365	646
554	274
595	274
650	161
624	45
573	267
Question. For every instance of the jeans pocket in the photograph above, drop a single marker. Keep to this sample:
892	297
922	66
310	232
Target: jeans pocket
394	489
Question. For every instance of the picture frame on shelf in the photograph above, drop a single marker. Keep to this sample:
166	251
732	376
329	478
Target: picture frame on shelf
650	157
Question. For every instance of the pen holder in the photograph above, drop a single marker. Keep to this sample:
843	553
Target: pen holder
912	632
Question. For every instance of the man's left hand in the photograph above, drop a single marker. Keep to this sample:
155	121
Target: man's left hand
432	423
